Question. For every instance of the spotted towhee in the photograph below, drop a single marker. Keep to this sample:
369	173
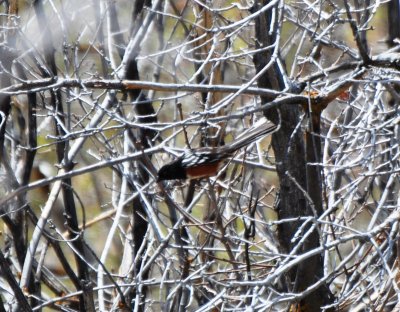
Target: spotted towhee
207	161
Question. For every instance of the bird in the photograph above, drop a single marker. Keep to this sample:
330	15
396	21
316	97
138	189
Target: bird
205	162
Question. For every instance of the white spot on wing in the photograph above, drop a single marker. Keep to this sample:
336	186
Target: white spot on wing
193	159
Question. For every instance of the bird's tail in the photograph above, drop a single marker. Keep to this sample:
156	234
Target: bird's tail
260	129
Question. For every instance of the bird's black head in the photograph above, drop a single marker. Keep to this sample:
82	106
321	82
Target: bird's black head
172	171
